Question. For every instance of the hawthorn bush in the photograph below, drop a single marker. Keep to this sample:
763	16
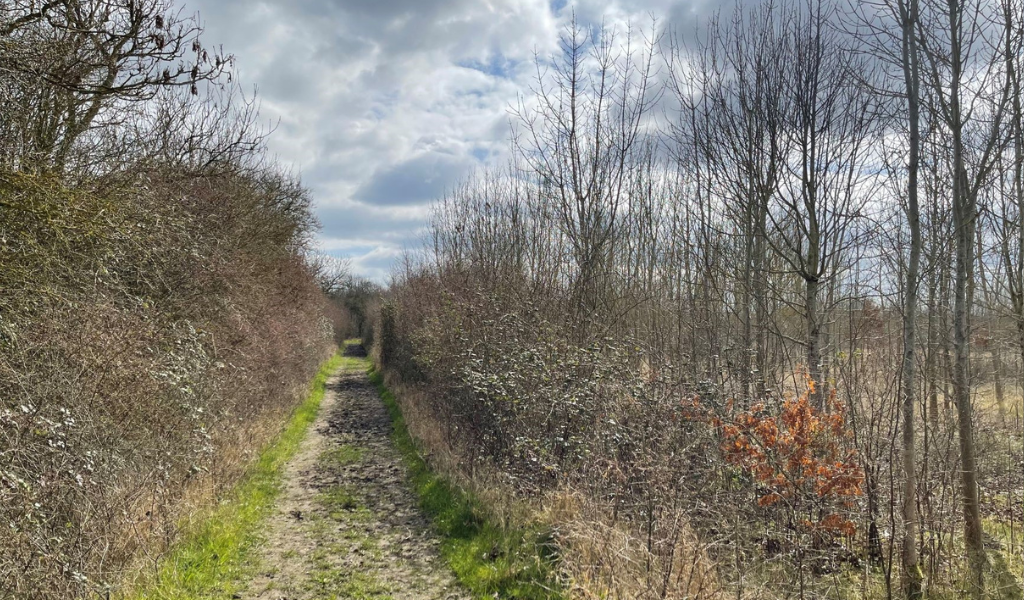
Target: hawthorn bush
159	311
154	330
672	474
555	422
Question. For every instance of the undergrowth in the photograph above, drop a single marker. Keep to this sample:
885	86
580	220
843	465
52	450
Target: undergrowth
489	560
213	557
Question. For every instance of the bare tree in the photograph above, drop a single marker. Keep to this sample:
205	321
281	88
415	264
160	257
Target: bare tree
736	89
584	141
71	66
959	60
908	14
820	199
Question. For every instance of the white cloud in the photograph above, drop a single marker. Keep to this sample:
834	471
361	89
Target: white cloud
382	104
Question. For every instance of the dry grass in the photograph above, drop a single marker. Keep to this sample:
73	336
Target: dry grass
606	559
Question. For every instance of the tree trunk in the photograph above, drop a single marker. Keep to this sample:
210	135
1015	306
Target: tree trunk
997	377
761	305
748	351
930	359
814	341
964	221
911	522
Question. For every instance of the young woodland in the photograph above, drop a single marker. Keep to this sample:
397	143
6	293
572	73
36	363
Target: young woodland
743	316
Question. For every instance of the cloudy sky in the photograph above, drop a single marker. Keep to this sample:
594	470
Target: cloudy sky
383	104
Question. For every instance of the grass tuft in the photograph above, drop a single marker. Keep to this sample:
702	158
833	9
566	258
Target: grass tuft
213	557
339	498
342	455
489	560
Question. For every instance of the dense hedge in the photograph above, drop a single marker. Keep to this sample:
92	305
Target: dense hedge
153	329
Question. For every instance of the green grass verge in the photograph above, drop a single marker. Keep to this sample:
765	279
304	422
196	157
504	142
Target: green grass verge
489	560
213	557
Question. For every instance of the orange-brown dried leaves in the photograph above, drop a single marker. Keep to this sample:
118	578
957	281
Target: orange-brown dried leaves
797	455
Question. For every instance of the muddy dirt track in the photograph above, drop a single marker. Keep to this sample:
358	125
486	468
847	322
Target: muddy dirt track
346	524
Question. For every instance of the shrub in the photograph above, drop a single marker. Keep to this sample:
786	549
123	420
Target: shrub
154	330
